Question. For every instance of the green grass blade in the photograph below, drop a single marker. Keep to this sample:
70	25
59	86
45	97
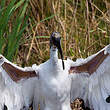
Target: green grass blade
6	15
17	32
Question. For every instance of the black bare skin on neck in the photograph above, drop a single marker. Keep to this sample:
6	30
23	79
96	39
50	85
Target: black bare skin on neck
55	39
108	99
5	107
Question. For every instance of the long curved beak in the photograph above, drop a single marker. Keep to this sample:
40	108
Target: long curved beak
61	54
58	45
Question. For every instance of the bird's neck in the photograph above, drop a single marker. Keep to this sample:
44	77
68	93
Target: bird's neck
54	56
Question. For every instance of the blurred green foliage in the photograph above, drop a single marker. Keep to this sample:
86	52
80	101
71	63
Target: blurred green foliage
12	26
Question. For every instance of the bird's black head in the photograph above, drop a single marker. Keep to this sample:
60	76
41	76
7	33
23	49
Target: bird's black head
55	41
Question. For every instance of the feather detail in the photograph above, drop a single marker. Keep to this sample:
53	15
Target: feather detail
17	74
90	66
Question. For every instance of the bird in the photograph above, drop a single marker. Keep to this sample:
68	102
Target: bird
54	79
58	79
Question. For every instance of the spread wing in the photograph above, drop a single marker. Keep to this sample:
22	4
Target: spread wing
90	64
16	73
91	72
17	95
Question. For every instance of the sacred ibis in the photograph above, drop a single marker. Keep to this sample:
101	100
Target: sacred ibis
57	78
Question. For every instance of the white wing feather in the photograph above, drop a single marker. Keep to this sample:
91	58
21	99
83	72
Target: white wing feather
95	88
16	95
38	97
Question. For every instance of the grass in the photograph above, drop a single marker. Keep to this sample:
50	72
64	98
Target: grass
12	26
84	26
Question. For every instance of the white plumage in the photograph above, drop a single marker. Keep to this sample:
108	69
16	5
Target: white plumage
99	90
55	83
95	87
15	96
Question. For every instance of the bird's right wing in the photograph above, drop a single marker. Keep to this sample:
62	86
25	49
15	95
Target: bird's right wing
19	89
14	72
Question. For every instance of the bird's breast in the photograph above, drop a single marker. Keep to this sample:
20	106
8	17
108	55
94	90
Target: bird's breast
56	89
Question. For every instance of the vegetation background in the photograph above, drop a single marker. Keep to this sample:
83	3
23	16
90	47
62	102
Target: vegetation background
25	27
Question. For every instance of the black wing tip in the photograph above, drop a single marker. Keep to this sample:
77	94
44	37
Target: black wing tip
108	99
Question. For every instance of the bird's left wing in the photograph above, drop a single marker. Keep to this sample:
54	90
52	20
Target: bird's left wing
87	70
16	73
90	64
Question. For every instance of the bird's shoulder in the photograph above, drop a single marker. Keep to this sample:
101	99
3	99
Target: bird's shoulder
44	65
